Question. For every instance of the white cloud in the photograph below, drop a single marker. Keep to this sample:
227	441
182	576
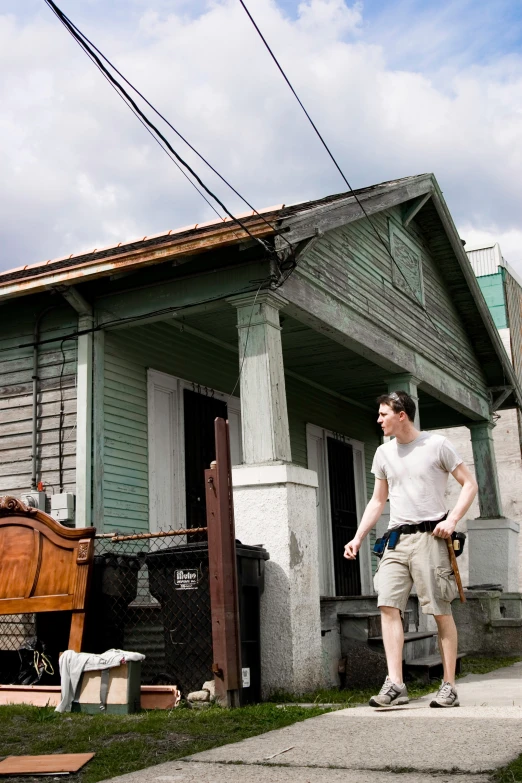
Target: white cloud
78	170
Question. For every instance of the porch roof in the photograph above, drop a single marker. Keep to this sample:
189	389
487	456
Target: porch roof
299	223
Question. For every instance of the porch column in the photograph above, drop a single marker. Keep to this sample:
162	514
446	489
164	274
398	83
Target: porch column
409	384
264	416
84	424
493	539
275	504
490	502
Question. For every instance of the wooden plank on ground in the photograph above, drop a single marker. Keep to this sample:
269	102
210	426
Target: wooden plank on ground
44	765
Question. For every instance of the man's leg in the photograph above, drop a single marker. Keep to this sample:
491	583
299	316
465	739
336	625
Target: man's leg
393	638
447	645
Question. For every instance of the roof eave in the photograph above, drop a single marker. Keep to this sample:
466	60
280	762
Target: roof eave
136	259
476	293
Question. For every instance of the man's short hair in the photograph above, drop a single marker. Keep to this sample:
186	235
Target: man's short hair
399	401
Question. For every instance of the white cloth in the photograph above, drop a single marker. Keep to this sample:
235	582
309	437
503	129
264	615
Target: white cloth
417	475
73	664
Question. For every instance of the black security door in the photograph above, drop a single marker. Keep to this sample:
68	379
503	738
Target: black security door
344	515
200	411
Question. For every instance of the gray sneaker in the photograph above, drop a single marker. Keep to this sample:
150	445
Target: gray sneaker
389	695
446	697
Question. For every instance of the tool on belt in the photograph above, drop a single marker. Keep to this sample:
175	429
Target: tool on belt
455	544
453	560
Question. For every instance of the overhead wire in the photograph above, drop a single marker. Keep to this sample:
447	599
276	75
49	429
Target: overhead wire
345	179
85	42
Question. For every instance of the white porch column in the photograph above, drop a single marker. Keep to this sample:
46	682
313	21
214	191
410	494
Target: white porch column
264	415
493	539
409	384
275	505
84	309
84	425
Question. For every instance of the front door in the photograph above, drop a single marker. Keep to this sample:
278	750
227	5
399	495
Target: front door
181	447
199	412
343	511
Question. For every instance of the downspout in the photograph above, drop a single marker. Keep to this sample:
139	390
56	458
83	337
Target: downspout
34	429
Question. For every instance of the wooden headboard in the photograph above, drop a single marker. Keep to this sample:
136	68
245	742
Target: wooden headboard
44	566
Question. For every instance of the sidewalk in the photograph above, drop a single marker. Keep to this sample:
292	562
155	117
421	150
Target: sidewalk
363	745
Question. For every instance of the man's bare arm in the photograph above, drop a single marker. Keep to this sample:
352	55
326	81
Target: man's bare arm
467	495
370	518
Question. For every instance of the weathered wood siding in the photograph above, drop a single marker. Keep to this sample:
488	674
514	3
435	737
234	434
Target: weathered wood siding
352	264
57	373
128	354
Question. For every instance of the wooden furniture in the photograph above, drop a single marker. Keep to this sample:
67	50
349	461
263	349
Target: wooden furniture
44	566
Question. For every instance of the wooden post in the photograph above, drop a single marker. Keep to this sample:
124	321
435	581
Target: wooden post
490	502
264	414
409	384
223	572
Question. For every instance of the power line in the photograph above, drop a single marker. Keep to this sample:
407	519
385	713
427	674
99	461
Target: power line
337	166
82	41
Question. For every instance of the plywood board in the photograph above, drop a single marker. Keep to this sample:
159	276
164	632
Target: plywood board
153	697
44	765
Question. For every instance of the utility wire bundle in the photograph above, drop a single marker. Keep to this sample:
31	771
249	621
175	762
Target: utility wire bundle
289	265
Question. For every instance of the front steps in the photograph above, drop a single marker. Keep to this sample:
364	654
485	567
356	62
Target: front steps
352	635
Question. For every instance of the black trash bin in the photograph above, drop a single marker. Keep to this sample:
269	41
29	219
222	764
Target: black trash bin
114	584
178	579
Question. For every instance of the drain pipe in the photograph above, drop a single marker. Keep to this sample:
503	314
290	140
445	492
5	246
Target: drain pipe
34	430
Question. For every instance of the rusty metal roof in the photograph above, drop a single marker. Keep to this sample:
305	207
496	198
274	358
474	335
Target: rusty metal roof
199	236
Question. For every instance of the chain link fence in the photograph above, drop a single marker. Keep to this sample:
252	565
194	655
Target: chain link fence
149	593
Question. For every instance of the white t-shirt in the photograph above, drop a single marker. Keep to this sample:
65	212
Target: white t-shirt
417	475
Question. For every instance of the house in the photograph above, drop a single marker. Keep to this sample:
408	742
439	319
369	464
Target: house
502	290
131	351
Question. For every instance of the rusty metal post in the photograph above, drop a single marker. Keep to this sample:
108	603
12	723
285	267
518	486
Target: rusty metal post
223	572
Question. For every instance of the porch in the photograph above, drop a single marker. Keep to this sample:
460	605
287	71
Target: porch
303	436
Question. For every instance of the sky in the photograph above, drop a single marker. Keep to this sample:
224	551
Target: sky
397	88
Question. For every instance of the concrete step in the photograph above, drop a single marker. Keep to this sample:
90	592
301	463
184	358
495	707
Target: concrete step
430	667
416	645
367	625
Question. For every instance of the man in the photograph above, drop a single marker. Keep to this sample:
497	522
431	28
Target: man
412	470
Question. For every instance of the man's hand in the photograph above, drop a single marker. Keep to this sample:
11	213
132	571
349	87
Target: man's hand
351	549
444	529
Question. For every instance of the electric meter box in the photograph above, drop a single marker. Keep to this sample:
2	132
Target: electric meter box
62	507
34	499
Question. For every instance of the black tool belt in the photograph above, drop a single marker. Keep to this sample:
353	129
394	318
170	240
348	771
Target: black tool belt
391	538
421	527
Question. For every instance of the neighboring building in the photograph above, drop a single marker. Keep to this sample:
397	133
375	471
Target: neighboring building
502	290
137	348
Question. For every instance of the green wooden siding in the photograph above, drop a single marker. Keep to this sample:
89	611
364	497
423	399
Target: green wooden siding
350	263
160	346
57	374
492	286
128	355
125	455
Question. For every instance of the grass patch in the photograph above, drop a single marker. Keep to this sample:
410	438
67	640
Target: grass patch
353	697
127	743
510	774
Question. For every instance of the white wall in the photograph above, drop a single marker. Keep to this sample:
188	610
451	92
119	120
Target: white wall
509	466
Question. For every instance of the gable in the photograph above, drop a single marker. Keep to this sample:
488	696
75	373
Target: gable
408	298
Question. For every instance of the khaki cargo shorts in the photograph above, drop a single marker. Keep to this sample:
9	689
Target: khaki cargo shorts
422	560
